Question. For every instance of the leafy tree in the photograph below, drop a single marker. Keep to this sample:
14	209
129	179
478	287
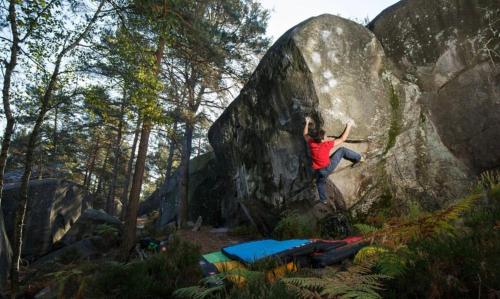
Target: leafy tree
5	250
46	91
214	54
151	22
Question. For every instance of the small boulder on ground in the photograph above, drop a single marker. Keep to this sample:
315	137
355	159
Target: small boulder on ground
90	248
92	222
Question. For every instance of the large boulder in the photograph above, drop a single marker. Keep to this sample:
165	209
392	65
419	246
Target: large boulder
326	67
450	51
422	94
446	83
53	206
202	196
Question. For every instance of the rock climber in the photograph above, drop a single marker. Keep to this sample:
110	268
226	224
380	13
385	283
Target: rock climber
324	158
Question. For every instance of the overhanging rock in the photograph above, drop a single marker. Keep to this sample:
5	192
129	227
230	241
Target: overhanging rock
326	67
420	87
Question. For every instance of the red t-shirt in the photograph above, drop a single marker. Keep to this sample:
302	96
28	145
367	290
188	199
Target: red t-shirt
320	153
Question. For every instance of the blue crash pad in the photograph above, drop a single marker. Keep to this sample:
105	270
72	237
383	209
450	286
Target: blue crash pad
250	252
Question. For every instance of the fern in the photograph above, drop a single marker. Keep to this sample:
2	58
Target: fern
310	283
302	292
213	286
489	179
368	253
106	230
392	264
365	228
198	292
399	232
356	282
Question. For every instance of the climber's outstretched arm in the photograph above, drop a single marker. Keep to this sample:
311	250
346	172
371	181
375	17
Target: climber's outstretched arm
306	129
344	136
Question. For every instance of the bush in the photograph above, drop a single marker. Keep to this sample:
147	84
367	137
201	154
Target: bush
69	256
295	226
110	236
156	277
463	264
335	226
255	285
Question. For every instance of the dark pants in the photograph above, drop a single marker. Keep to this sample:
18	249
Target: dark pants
323	173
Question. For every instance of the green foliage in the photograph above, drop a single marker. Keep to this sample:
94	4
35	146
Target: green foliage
396	120
259	288
365	228
392	264
69	256
69	280
156	277
368	253
355	282
455	254
414	210
107	231
334	226
489	179
295	225
452	267
400	231
110	235
386	262
237	284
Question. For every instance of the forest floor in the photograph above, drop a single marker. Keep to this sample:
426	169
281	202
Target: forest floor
210	239
207	237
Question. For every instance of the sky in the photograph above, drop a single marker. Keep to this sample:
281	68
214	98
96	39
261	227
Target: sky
288	13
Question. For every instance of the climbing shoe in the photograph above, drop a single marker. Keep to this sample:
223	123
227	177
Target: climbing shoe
355	164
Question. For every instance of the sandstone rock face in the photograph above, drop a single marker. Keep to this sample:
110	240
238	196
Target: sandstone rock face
446	83
422	88
202	198
449	49
87	223
53	206
326	67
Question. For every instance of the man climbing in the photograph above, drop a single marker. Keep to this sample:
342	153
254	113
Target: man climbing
324	159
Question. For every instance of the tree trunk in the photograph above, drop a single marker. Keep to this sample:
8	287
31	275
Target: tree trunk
170	161
135	192
194	101
5	249
23	191
5	252
184	175
91	165
100	181
124	197
23	198
40	165
171	152
54	136
110	201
